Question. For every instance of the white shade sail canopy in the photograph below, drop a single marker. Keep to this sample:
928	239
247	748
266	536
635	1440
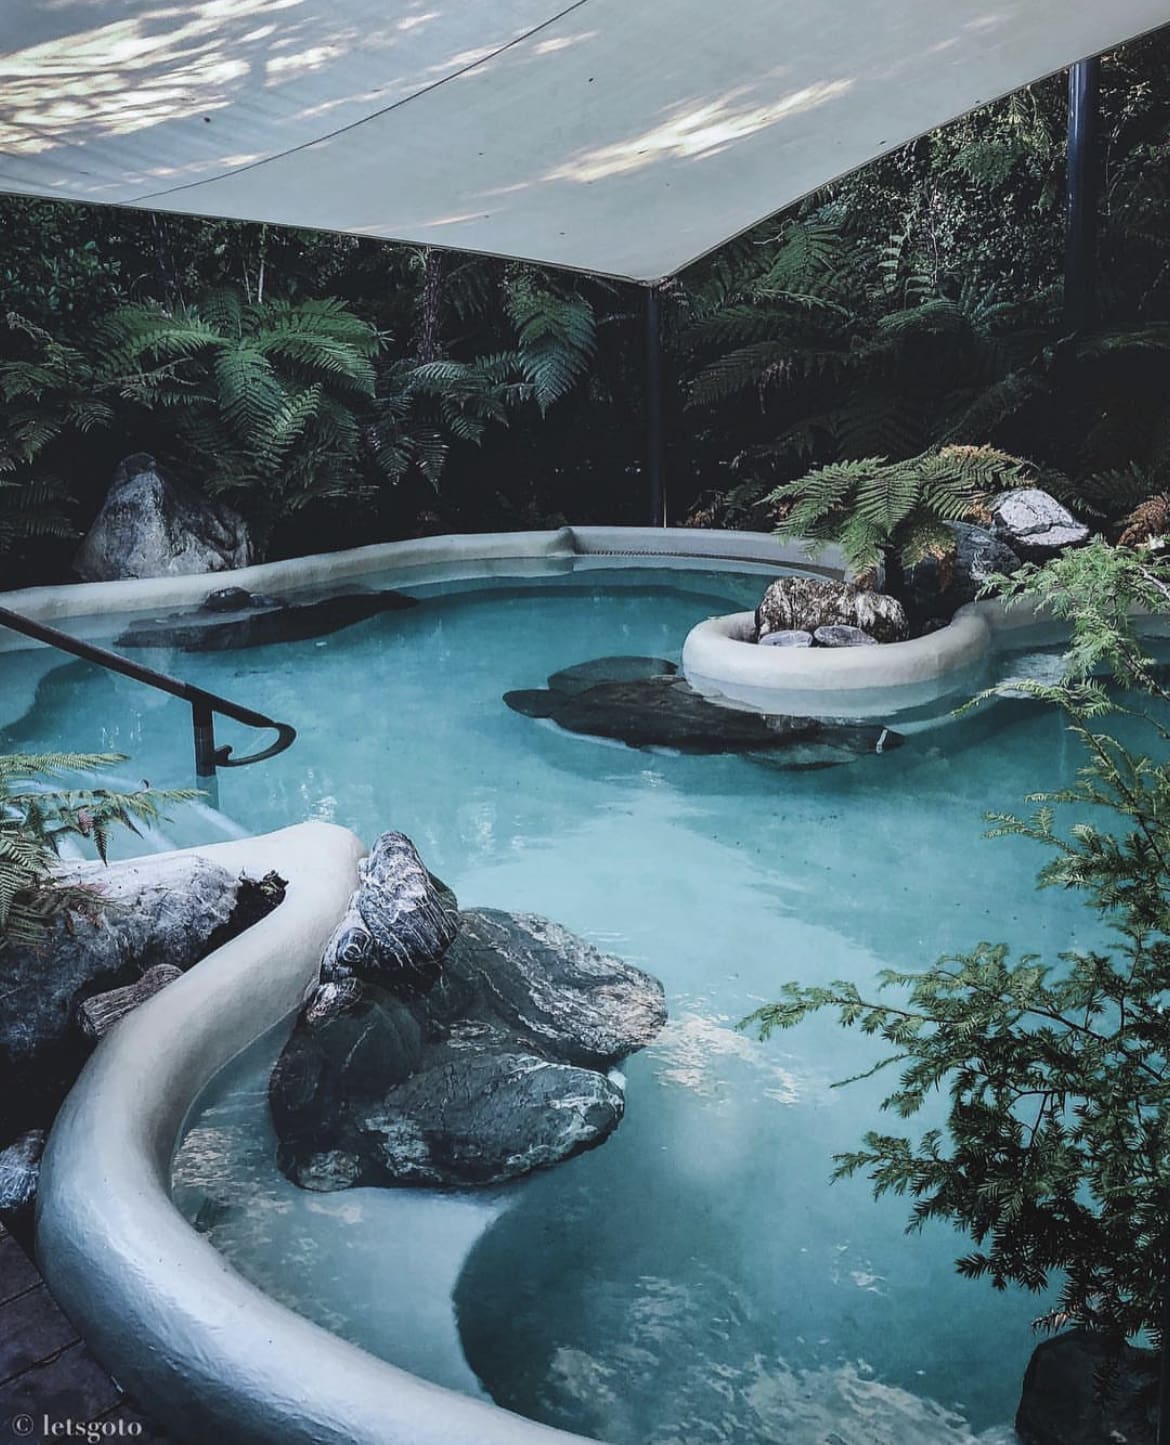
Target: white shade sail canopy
626	137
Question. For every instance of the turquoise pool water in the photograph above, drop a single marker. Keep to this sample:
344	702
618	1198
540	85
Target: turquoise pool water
696	1281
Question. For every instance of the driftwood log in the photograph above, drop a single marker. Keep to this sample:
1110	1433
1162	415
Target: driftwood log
96	1016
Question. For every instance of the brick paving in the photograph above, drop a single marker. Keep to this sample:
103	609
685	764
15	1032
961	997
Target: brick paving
47	1375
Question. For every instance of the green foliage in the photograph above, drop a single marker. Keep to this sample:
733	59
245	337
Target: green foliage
1055	1155
1096	589
265	398
49	389
556	335
937	315
874	505
36	818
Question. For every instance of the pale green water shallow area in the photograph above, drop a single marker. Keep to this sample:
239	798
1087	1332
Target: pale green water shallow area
697	1280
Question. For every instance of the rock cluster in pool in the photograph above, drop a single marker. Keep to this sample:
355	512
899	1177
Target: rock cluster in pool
645	703
810	604
452	1048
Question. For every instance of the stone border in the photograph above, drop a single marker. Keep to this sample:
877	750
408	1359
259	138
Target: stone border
422	560
207	1354
721	660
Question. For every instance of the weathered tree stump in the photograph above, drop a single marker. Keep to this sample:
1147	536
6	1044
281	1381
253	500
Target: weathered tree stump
96	1016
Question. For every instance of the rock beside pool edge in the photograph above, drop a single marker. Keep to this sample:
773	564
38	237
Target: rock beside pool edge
450	1048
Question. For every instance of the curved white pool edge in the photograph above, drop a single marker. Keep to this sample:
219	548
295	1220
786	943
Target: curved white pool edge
720	660
206	1353
465	555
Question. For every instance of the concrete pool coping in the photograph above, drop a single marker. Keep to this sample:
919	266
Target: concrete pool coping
205	1352
419	560
925	674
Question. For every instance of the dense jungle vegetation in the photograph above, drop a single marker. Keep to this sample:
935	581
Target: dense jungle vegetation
338	390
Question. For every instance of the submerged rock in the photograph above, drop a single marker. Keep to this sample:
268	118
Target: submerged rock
584	675
148	911
471	1117
660	709
233	618
1062	1402
151	527
492	1069
805	603
1034	524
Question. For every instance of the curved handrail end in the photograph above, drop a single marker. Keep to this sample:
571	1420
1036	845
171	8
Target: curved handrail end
286	735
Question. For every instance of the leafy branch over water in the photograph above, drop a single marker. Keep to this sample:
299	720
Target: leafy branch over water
1055	1154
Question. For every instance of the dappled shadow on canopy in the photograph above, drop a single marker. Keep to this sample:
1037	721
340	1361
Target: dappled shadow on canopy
598	135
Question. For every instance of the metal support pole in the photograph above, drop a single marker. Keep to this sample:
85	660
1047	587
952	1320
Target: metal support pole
1082	187
203	722
655	465
206	777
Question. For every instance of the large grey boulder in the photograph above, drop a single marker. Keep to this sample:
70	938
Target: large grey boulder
148	911
562	996
498	1070
151	527
458	1068
802	604
1062	1403
939	586
1034	524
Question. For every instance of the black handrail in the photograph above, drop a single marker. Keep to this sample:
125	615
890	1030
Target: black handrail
204	705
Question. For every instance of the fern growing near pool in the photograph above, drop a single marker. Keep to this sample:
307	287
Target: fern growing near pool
556	333
1055	1153
876	509
50	389
268	401
36	818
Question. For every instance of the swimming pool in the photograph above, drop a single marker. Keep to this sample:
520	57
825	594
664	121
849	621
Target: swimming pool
697	1279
